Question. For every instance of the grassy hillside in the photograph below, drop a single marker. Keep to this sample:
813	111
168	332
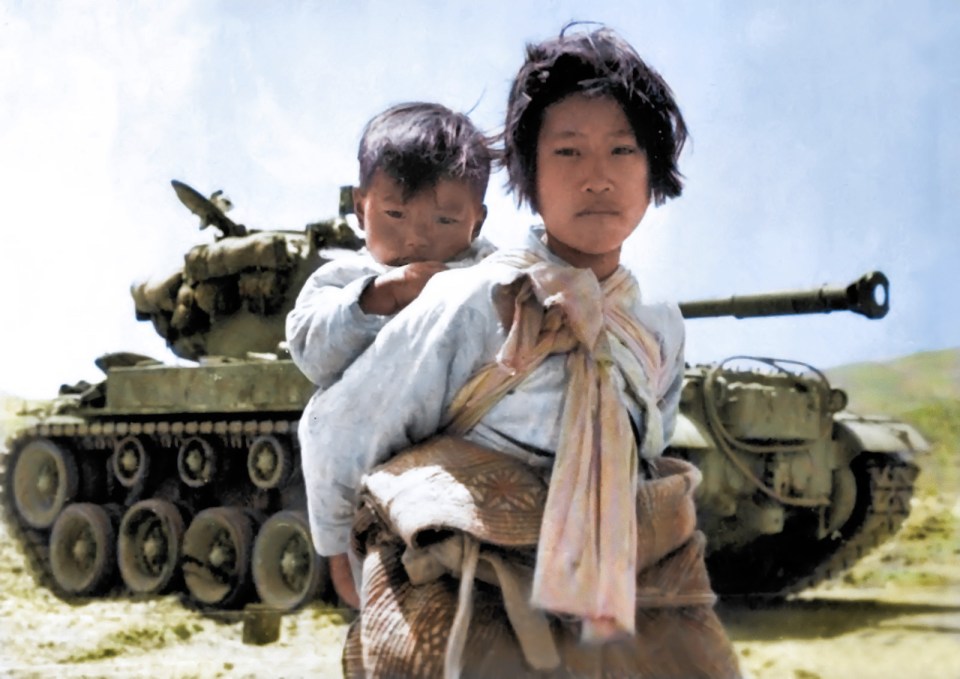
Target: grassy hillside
900	385
921	389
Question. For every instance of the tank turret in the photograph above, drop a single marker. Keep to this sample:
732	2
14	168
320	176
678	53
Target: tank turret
187	477
231	296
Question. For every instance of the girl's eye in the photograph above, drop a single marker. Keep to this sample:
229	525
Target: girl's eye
446	221
624	150
565	151
395	214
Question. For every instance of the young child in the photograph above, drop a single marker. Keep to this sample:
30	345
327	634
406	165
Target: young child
423	175
538	392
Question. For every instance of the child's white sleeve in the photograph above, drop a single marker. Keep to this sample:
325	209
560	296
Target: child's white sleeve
394	395
326	330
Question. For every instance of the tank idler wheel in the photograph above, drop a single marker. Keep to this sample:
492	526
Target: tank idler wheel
130	462
148	546
287	571
216	556
269	463
196	462
83	549
45	480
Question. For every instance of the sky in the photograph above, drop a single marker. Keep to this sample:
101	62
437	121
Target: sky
825	143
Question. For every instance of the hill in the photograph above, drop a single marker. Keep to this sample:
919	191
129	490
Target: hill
901	385
923	390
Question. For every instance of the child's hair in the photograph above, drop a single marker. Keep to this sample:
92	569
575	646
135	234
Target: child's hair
599	63
417	144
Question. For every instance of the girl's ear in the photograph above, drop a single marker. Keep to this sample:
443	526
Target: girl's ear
358	205
480	221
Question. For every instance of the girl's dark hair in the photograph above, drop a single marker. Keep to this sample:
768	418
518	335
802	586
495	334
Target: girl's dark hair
599	63
417	144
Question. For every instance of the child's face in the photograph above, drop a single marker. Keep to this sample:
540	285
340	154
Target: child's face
592	178
434	225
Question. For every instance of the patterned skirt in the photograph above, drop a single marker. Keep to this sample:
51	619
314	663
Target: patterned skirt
429	610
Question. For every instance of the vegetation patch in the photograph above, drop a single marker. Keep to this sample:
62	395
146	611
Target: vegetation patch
917	556
939	422
123	641
183	631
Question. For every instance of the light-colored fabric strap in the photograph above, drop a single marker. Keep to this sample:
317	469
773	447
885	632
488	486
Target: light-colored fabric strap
462	556
453	660
586	558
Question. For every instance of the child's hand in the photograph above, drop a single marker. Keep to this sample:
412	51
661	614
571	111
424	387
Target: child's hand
392	291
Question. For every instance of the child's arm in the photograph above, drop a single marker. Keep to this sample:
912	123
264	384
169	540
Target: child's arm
394	395
326	329
342	577
334	320
390	292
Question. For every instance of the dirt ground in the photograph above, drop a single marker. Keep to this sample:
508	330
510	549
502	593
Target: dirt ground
896	615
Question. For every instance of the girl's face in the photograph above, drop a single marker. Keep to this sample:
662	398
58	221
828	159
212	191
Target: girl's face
593	183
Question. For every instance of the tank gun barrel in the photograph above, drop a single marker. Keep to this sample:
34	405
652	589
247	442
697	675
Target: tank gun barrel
869	296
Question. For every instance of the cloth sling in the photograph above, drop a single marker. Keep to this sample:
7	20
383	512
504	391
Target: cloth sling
586	558
589	558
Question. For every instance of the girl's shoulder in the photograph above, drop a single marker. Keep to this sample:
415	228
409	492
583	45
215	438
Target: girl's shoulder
666	322
474	285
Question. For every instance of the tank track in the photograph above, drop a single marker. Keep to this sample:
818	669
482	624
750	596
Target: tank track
885	487
891	484
776	566
32	543
97	435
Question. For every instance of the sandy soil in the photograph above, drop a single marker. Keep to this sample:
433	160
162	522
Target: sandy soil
896	615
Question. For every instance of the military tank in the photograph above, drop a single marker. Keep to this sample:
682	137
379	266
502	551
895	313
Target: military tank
795	488
186	478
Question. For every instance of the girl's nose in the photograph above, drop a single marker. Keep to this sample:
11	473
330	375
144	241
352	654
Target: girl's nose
596	176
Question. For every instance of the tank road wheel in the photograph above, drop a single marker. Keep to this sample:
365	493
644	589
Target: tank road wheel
269	463
83	549
216	556
130	462
45	480
286	569
148	547
196	462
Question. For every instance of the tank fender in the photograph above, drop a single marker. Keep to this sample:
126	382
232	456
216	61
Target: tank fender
882	435
689	433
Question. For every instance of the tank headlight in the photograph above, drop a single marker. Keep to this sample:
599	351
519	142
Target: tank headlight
838	400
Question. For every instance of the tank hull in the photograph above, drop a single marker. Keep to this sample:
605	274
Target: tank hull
795	490
792	492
